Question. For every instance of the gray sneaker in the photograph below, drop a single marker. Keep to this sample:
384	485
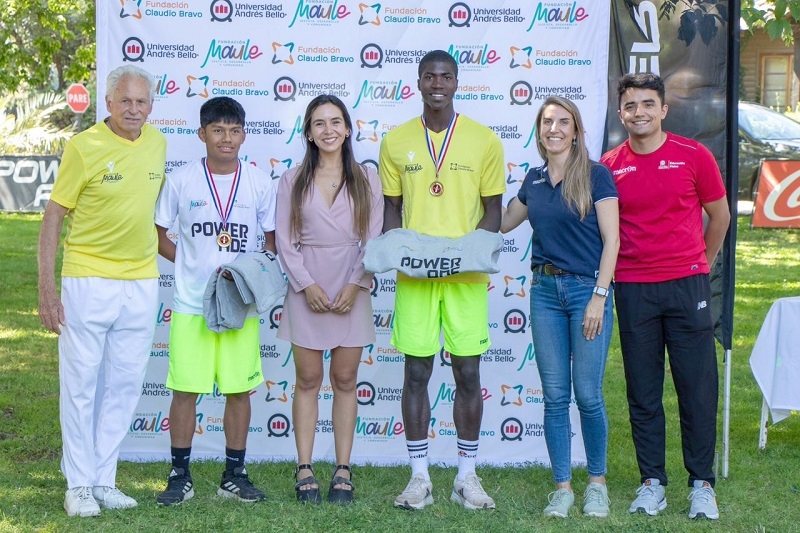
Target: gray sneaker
650	498
470	494
704	501
595	500
417	495
560	503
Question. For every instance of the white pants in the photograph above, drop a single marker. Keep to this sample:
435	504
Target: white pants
103	352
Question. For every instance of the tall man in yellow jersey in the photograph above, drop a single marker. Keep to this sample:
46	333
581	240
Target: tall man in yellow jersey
442	175
108	182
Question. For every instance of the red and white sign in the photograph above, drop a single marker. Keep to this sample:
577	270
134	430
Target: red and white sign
778	200
78	98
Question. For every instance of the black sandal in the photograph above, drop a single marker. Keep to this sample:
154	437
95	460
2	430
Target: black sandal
342	496
307	495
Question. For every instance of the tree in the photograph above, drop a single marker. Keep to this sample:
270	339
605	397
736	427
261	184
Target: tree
26	124
780	18
46	44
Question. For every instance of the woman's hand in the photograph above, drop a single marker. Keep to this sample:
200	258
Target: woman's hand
593	317
345	299
317	299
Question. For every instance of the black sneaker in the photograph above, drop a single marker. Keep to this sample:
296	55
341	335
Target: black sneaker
236	484
179	488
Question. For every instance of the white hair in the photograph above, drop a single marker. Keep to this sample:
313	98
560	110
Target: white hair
129	71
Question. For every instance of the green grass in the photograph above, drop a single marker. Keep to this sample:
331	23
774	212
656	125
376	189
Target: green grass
762	492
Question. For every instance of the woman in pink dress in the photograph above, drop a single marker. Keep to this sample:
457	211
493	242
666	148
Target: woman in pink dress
328	208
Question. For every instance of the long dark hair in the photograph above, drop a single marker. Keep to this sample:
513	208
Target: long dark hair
355	176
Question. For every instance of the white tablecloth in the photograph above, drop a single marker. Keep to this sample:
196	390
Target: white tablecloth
775	360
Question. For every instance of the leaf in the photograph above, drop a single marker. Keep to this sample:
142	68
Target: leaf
708	28
780	9
794	10
687	30
773	29
722	9
667	10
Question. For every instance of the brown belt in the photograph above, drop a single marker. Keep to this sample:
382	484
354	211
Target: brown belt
552	270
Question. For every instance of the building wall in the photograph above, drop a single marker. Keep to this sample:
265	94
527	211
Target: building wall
753	50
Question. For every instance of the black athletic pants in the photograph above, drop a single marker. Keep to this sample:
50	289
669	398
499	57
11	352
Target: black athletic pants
674	314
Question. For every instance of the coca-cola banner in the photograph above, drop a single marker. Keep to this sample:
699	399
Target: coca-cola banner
778	200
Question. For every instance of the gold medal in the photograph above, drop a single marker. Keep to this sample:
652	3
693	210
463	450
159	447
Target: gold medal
224	239
436	188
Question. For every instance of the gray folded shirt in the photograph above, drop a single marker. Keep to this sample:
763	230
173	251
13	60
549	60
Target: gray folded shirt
424	256
257	279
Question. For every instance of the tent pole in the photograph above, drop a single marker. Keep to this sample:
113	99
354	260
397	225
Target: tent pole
726	415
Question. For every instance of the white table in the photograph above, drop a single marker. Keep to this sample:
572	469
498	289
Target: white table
775	363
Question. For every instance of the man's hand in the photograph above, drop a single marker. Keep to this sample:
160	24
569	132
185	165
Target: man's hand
51	311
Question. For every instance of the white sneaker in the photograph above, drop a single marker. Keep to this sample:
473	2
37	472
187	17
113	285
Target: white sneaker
470	494
113	498
78	501
650	498
560	502
417	494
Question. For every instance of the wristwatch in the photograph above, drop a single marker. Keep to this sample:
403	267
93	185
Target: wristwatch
600	291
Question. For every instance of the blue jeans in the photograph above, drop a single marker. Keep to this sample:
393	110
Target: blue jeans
557	307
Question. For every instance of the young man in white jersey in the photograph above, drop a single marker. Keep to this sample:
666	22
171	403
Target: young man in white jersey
108	182
442	175
223	207
665	182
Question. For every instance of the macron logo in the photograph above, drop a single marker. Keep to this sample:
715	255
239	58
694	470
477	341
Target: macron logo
631	168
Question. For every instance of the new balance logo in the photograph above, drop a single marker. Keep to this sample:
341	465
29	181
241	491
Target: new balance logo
701	305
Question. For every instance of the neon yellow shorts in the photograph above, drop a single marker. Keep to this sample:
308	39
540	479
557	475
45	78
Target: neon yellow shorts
198	356
422	309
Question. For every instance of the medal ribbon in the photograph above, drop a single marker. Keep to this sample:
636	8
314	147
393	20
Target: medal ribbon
448	136
215	195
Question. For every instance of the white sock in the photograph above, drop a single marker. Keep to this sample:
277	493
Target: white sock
418	453
467	457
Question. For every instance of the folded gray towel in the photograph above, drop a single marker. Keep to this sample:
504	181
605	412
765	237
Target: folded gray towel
257	279
424	256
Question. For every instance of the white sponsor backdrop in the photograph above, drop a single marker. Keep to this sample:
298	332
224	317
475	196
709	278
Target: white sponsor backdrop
274	58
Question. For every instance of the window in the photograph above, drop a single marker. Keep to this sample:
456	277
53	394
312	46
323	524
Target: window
776	80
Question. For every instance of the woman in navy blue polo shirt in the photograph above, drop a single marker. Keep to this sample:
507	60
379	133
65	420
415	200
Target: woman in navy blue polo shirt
571	203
